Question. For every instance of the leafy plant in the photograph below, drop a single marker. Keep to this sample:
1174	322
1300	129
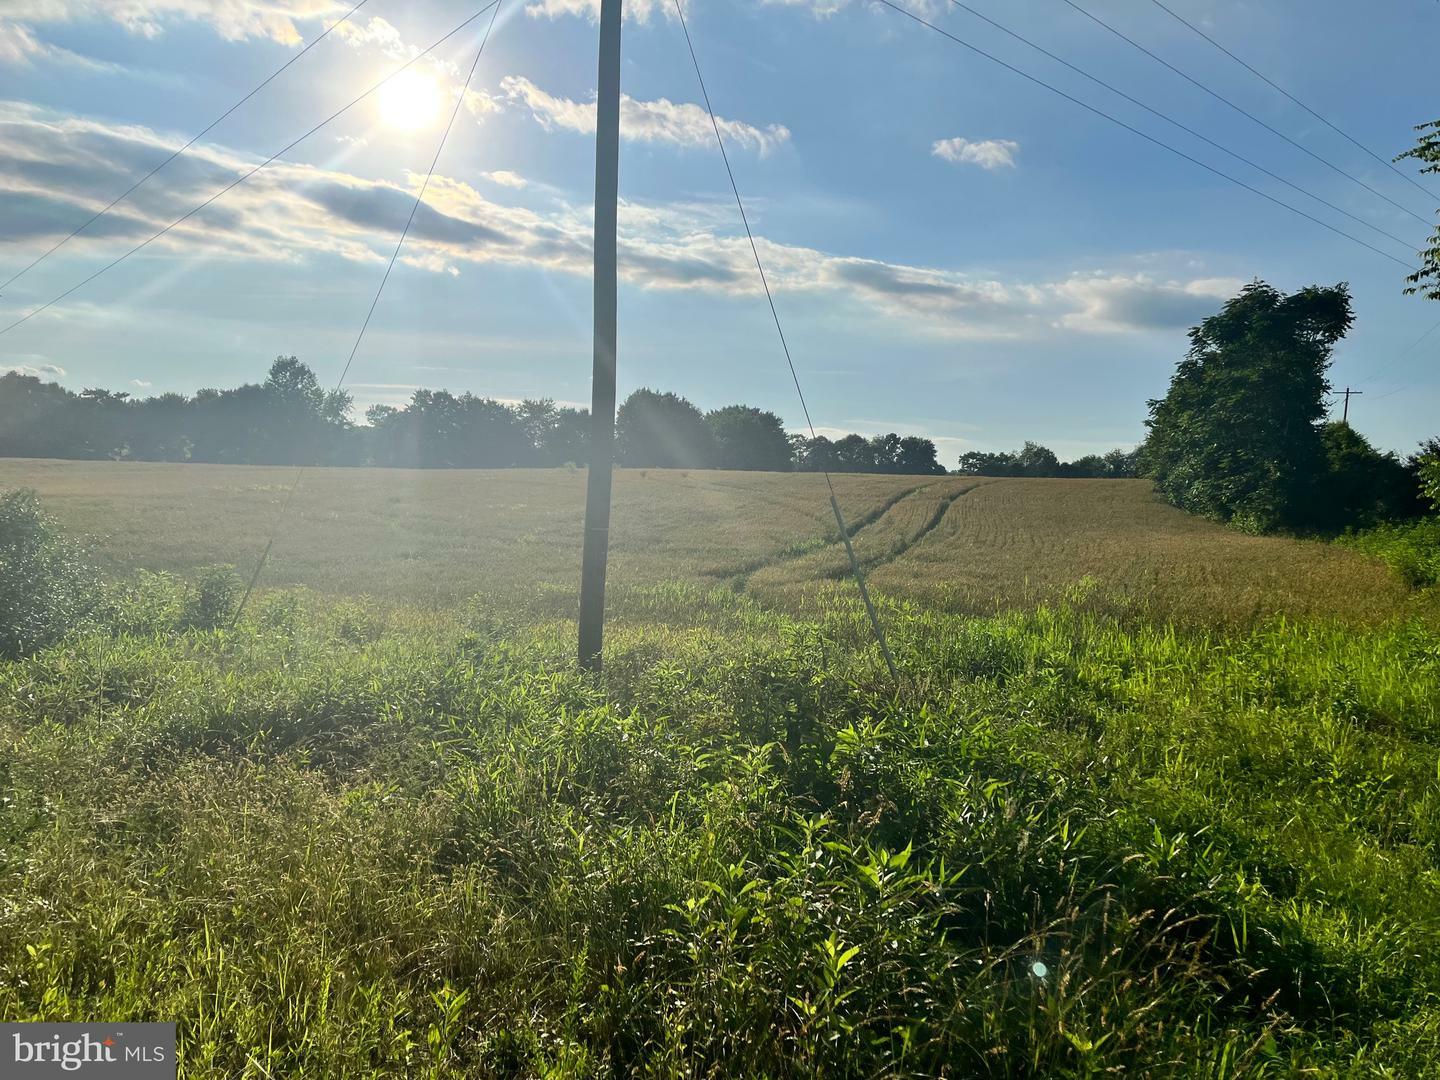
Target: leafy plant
212	602
46	585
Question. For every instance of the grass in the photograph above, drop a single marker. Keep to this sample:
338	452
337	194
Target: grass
954	543
1124	814
347	839
1411	548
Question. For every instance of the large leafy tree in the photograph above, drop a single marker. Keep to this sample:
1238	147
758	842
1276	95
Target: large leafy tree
664	431
749	438
1238	436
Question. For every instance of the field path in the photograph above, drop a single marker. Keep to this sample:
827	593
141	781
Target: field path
878	538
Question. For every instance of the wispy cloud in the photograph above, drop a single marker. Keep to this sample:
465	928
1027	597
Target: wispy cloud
232	19
56	169
661	120
987	153
640	11
506	178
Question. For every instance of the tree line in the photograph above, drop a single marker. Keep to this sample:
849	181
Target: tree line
1035	460
289	419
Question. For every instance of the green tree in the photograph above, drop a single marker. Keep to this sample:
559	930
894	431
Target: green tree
854	453
1237	437
749	438
1427	471
918	455
655	430
1426	279
1361	486
1037	460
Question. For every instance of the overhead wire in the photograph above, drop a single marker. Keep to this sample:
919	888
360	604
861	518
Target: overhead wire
374	303
840	523
1276	86
1397	361
1182	126
1142	134
193	140
1243	111
245	176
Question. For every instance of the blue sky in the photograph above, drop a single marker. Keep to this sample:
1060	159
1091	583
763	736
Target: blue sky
956	252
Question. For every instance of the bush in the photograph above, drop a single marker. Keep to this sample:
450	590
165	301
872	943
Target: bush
212	603
46	585
1412	549
1429	473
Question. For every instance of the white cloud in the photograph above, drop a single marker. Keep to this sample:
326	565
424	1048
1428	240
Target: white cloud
141	384
1119	302
987	153
55	169
661	120
825	8
37	366
377	33
20	47
640	11
506	178
232	19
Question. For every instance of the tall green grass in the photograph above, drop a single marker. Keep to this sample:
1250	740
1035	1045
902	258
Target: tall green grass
350	840
1412	548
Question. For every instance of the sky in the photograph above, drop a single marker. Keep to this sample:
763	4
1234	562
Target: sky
955	251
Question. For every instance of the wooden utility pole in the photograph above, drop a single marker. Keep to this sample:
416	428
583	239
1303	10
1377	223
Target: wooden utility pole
602	385
1348	394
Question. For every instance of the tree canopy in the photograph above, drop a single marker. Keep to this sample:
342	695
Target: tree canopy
1238	436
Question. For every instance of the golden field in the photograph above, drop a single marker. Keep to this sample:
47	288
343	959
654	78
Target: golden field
956	543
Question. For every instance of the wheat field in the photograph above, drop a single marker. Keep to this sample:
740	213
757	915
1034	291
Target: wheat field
954	543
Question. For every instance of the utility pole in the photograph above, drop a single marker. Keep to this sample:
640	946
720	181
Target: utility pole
1348	394
602	386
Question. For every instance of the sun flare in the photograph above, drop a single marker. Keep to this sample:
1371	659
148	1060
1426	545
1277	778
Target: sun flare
410	102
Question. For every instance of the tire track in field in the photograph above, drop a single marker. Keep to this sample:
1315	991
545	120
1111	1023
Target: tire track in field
883	520
738	577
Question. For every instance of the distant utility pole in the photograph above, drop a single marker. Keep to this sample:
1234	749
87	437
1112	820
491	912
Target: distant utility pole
602	386
1348	394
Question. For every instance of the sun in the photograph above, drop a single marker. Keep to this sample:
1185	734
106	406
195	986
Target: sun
411	101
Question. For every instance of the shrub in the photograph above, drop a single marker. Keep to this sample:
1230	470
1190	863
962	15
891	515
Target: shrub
46	585
1429	470
1412	549
212	603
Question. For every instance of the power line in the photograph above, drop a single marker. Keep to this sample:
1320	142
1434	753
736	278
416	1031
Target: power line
1271	83
1183	127
236	183
360	337
1397	360
196	138
789	360
1144	135
1244	112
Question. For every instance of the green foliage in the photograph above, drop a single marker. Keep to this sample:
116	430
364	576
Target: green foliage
664	431
1427	468
46	585
1361	486
1426	279
748	438
427	846
1411	548
1035	460
211	603
1237	438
